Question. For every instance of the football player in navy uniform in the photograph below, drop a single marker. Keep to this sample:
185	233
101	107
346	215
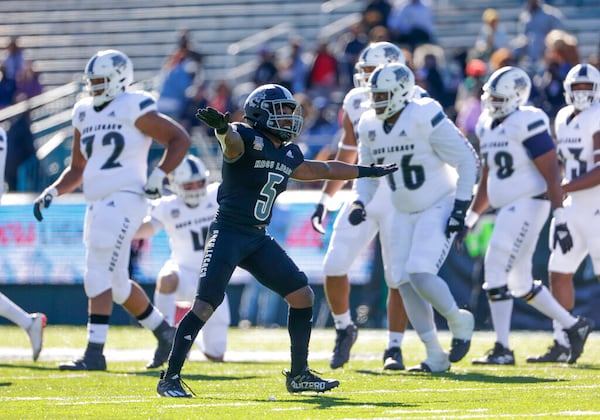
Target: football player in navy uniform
259	158
112	134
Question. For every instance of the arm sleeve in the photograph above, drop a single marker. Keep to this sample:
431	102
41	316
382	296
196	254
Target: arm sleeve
365	187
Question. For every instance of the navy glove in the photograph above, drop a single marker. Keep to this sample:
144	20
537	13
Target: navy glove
214	118
317	218
375	171
561	236
456	221
43	202
357	213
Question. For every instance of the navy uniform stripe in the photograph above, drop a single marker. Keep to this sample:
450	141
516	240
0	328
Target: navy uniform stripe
535	125
90	65
498	77
436	120
146	103
583	71
193	167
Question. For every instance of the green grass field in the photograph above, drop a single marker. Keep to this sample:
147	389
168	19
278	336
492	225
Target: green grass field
250	384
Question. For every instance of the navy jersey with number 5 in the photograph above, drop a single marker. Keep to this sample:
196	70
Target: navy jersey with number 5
252	182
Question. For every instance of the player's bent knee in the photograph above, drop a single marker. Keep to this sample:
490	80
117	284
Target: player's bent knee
529	292
497	294
167	283
301	298
202	309
121	290
95	282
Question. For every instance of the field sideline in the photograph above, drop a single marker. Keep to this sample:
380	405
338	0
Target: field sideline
250	385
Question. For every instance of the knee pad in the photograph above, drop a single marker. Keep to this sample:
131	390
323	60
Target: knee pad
95	281
121	287
536	287
499	293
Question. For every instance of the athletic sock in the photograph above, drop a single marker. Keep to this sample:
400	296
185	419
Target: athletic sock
299	328
186	333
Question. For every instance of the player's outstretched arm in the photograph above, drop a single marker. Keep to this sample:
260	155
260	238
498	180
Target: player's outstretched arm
231	142
312	170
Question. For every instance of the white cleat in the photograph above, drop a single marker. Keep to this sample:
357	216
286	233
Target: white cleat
36	333
434	363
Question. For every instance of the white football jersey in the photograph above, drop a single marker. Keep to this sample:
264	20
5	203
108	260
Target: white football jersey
428	149
116	151
575	144
512	173
186	226
3	153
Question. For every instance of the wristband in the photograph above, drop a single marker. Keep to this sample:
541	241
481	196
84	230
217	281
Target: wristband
559	216
364	171
471	219
325	199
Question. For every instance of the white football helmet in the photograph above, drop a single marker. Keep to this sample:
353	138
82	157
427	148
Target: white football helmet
390	88
506	90
189	180
372	56
112	66
582	99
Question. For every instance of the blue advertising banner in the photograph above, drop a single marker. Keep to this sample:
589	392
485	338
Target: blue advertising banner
52	252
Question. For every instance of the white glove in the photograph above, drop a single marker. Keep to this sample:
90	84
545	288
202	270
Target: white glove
43	202
153	187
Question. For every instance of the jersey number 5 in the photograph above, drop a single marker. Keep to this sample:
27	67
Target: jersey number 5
268	194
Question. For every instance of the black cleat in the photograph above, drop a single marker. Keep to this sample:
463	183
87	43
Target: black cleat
578	335
462	331
499	355
343	343
556	353
392	359
161	355
172	387
308	381
458	349
87	362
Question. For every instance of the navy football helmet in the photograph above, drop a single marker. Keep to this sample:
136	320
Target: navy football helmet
268	108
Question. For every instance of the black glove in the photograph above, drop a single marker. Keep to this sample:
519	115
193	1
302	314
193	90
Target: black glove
317	218
43	202
456	221
357	213
563	237
375	171
215	119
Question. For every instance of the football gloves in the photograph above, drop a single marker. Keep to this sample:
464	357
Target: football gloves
357	213
43	202
561	235
317	218
375	171
456	221
153	187
214	118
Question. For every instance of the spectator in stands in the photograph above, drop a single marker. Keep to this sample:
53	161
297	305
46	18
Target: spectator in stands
429	61
323	74
350	44
379	34
412	23
20	146
221	99
376	13
500	58
266	71
562	48
14	61
491	37
8	88
468	98
535	21
293	69
28	82
548	92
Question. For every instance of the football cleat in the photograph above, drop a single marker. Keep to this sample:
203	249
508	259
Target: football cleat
308	381
87	362
35	332
161	354
433	364
556	353
392	359
578	335
173	387
499	355
344	341
462	331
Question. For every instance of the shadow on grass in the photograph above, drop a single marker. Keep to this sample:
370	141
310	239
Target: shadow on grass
469	377
28	366
325	401
5	383
195	377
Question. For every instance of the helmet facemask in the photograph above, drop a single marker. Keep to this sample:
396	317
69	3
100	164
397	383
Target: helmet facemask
189	180
390	88
582	86
506	90
372	56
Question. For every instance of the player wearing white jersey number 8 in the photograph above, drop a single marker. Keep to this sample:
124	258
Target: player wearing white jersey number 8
113	131
185	216
438	168
521	179
577	129
347	240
